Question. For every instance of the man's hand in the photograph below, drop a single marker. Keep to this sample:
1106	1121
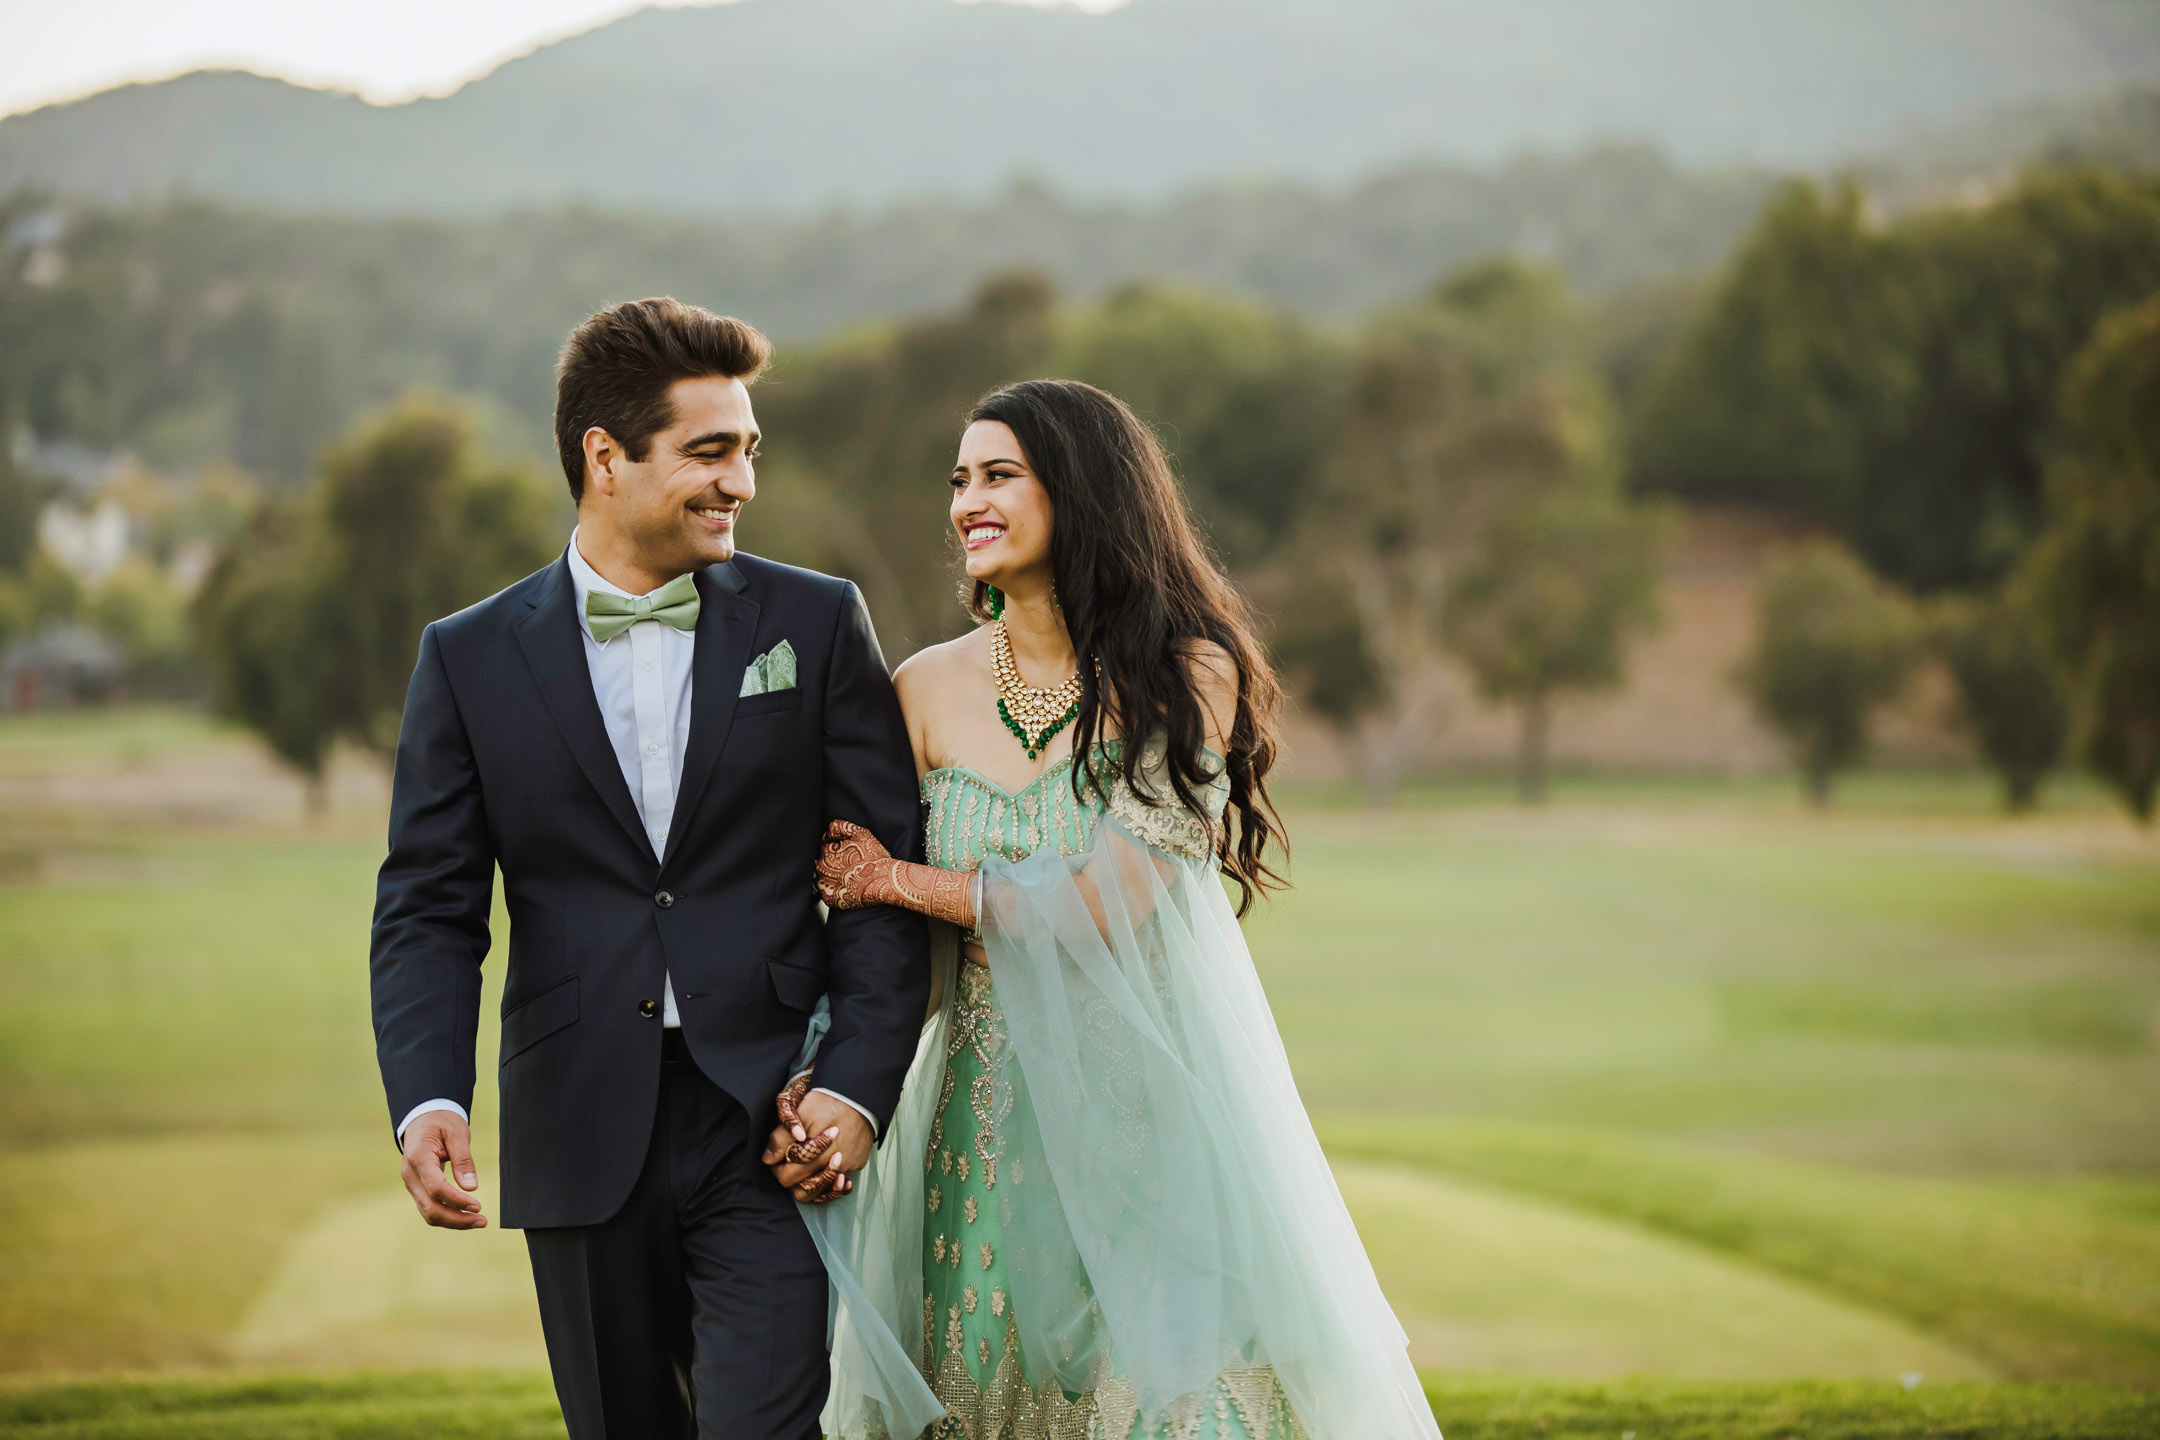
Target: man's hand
818	1144
433	1140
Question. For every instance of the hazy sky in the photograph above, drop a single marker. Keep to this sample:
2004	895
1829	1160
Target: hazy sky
385	49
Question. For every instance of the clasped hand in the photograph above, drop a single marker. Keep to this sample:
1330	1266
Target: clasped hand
811	1125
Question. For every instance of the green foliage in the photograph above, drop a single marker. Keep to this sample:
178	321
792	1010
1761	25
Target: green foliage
50	590
19	501
197	333
1245	400
863	438
138	608
1832	643
311	621
1476	409
2009	691
262	621
1322	648
1897	381
42	591
2094	578
411	525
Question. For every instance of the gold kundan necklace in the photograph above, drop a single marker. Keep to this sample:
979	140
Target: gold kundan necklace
1031	714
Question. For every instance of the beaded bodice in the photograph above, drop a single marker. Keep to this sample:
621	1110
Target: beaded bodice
967	817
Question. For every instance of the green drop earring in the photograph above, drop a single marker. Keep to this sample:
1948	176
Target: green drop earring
996	600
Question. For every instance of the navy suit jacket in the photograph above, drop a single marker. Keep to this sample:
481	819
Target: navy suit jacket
503	762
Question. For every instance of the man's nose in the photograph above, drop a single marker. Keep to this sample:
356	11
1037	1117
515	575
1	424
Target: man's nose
739	481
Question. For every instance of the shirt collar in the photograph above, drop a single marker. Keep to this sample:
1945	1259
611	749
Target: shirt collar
583	581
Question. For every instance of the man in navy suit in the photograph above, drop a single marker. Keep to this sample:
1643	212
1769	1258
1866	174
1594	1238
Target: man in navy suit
647	738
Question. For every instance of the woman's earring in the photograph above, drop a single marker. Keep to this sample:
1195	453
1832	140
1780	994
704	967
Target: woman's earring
996	600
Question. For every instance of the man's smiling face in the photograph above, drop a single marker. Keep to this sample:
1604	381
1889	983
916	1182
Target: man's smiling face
678	507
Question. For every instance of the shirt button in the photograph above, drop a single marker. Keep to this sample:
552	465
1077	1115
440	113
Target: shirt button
653	748
648	1008
665	899
644	665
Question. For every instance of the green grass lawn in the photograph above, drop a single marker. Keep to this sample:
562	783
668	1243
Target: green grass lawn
491	1406
1671	1078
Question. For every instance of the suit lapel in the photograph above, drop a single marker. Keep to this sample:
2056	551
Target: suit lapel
726	625
549	634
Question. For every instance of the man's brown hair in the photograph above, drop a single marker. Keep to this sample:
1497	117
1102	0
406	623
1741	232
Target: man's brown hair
616	368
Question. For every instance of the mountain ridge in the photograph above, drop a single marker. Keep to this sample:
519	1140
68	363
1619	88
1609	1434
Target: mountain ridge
807	104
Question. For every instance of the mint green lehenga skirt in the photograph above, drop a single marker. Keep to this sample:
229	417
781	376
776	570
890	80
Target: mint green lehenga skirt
1100	1211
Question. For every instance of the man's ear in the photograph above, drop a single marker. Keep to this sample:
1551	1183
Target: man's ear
601	457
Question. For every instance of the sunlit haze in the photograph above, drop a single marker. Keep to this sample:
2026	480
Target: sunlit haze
387	50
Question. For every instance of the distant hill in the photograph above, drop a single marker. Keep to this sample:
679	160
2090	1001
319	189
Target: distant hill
806	103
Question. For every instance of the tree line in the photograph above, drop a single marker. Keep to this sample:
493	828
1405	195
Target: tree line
1484	475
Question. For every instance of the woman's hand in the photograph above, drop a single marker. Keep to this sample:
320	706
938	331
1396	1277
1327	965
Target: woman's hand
851	867
793	1154
855	869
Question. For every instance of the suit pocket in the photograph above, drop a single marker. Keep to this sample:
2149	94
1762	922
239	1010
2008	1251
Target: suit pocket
771	700
797	986
537	1018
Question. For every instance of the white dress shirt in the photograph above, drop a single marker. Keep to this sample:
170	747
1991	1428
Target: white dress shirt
641	678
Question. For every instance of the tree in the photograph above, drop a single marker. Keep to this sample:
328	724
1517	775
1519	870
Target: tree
1320	646
262	620
1458	409
1832	644
1245	400
1545	606
310	623
2093	578
2009	692
1897	382
411	525
863	436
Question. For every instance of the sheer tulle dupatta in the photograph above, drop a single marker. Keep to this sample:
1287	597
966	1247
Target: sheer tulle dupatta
872	1245
1184	1169
1156	1135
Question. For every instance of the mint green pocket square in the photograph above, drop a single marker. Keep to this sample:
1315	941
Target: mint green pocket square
774	670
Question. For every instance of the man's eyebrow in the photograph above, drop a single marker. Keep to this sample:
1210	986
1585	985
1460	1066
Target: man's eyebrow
720	438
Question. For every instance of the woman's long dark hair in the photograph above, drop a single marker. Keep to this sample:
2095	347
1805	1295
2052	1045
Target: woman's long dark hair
1139	590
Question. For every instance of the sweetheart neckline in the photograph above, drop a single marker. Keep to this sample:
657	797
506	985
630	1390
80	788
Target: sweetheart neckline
989	784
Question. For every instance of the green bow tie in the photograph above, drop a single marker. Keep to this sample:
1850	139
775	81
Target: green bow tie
675	603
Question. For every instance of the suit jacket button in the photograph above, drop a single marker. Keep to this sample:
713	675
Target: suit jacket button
648	1008
664	899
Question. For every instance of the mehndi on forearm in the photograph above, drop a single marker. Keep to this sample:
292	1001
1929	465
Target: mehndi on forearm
940	894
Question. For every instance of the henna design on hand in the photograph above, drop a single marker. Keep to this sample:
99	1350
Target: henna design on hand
787	1101
855	870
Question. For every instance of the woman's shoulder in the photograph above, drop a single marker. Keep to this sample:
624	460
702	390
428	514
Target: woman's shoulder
1213	673
932	668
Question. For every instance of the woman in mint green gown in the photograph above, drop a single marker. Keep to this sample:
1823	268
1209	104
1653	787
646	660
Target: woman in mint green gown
1101	1211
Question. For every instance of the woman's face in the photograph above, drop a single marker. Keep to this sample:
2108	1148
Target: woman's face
1000	509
